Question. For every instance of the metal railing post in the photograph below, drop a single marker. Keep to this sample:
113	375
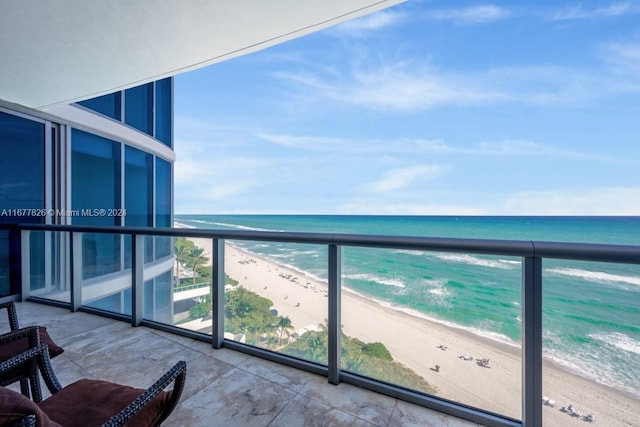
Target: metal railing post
532	342
334	320
25	262
75	255
217	293
137	279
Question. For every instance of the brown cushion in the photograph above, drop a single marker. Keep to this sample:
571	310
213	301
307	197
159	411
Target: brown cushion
54	349
14	407
87	403
21	345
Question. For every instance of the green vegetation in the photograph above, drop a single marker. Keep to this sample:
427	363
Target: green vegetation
250	314
377	350
188	255
370	359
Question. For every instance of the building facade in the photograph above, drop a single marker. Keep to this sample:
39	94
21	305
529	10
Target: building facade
106	161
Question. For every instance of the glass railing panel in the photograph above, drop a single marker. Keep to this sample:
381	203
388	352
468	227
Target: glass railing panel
5	266
591	343
443	324
189	301
106	280
276	297
49	272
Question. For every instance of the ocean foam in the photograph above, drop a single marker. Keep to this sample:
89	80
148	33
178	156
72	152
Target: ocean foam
471	260
618	340
595	276
375	279
407	252
236	226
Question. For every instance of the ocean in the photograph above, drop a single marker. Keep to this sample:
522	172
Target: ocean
591	311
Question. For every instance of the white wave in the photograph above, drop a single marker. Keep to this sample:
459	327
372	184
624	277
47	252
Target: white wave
376	279
308	252
471	260
495	336
601	372
510	261
618	340
595	276
224	224
408	252
177	224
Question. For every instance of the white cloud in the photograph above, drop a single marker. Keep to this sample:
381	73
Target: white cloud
399	178
578	12
385	208
399	86
305	142
471	15
371	23
622	201
529	148
596	201
624	59
412	86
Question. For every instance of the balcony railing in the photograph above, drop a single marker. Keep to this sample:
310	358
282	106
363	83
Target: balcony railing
66	282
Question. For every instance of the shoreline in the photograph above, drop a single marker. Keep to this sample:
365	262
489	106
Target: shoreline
416	342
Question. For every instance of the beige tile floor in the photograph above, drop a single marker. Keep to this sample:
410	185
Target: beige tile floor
223	387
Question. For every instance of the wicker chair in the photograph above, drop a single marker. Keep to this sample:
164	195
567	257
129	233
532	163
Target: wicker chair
87	402
10	346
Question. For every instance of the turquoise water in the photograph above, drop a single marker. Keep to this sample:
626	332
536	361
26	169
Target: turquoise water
591	310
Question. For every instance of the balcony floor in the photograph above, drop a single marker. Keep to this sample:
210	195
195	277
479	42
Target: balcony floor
223	387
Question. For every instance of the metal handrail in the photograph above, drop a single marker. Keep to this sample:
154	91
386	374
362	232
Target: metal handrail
532	253
626	254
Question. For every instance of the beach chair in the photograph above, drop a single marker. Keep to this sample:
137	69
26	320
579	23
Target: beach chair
88	402
11	345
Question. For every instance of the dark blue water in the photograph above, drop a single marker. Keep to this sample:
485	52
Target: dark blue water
591	310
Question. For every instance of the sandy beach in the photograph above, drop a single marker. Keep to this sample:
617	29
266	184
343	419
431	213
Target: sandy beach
421	344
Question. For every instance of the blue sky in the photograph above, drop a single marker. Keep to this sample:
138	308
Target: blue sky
426	108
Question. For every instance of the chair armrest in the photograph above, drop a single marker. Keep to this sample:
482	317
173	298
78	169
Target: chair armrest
32	333
28	421
40	355
176	375
11	313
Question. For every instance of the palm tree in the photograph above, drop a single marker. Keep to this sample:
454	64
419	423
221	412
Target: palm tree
183	248
284	325
197	258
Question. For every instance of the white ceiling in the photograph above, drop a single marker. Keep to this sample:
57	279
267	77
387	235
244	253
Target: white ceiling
56	52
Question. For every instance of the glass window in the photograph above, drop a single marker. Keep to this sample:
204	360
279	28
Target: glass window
138	193
138	185
110	105
138	108
5	263
163	206
163	193
164	111
22	182
95	193
21	169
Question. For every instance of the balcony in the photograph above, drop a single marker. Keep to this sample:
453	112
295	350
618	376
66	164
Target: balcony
224	387
121	273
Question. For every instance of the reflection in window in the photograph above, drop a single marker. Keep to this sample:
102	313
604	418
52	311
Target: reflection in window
164	109
138	191
138	108
110	105
95	188
138	187
21	167
21	185
163	206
